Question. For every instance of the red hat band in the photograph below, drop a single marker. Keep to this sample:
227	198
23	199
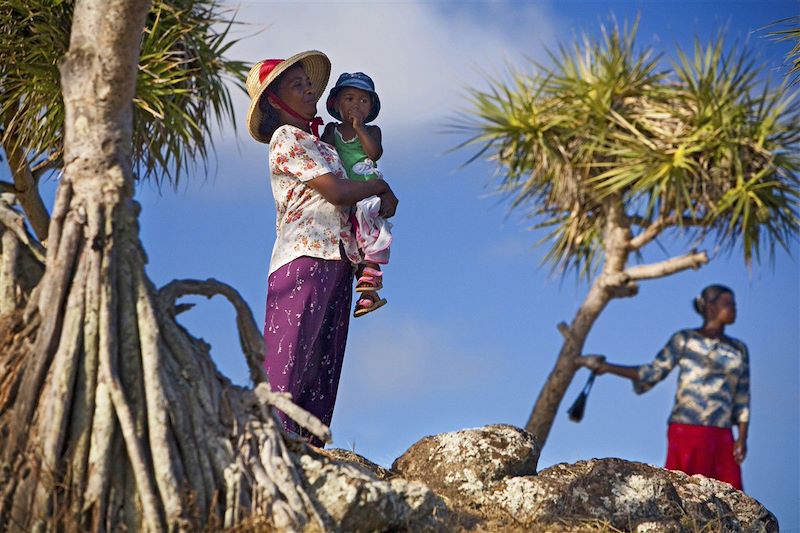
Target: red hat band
267	66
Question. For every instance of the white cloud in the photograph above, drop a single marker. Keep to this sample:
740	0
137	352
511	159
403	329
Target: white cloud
392	359
422	56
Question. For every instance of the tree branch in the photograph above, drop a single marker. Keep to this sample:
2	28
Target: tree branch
25	186
283	401
563	328
649	233
653	229
619	285
13	222
692	260
6	187
252	345
250	337
639	220
43	166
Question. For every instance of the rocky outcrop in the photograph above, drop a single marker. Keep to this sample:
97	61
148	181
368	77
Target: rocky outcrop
485	479
357	495
629	496
467	462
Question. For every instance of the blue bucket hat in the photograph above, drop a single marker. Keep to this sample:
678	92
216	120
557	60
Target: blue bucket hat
358	80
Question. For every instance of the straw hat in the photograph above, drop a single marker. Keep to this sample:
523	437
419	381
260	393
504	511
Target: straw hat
262	74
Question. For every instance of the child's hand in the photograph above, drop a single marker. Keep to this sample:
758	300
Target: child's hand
357	120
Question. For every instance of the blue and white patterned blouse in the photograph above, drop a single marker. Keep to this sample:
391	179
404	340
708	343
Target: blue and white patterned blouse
714	380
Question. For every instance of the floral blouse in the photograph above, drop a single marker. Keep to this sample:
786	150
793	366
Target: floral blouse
306	224
714	380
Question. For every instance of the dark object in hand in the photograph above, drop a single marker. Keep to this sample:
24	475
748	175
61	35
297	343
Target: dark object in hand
575	412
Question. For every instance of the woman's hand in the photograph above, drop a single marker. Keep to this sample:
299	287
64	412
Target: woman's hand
388	203
739	450
595	363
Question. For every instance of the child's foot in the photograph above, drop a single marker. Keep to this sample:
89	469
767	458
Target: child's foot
368	302
370	280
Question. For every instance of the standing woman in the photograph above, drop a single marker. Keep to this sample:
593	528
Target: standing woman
713	390
311	269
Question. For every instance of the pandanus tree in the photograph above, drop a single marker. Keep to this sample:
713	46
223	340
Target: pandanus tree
112	417
180	91
609	150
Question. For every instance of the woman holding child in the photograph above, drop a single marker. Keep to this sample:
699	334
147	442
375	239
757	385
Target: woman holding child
311	268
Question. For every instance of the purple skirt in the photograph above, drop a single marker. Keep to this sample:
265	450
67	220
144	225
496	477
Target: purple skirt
305	332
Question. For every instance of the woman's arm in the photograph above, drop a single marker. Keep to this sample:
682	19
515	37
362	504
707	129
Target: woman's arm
598	365
644	377
347	192
630	372
740	446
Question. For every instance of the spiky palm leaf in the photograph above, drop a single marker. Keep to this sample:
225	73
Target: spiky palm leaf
705	145
180	91
33	35
791	34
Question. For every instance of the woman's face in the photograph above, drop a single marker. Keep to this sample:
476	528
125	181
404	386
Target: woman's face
296	90
723	309
353	103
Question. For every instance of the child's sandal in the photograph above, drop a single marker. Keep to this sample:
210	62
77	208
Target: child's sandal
370	280
368	304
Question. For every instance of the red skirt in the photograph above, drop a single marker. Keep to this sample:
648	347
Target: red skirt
703	450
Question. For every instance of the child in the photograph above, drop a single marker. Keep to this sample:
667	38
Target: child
353	100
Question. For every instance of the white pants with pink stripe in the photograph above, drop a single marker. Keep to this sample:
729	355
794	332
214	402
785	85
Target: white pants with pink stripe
373	232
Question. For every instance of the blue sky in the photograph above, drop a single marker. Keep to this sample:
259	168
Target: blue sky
469	335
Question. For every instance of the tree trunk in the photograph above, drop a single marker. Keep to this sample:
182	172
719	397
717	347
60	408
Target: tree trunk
111	416
549	400
611	283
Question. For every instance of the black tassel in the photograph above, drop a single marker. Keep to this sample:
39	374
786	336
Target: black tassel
575	412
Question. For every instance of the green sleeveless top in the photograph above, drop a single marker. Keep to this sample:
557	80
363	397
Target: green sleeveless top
358	166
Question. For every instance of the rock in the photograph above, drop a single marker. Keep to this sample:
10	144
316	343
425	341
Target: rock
339	454
355	500
630	496
485	479
488	478
467	462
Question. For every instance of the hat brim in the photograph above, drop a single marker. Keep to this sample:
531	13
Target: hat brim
332	111
317	67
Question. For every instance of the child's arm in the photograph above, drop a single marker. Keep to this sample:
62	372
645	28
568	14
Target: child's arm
327	133
370	137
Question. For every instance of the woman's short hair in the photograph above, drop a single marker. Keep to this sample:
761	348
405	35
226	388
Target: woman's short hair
709	295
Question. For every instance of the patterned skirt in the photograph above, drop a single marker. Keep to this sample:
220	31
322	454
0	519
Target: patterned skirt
305	333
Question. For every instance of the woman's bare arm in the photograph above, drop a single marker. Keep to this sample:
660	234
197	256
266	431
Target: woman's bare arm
598	365
347	192
740	446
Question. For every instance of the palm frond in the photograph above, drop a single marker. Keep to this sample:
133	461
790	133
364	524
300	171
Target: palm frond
790	33
708	144
181	90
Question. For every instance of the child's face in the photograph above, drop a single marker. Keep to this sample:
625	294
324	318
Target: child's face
354	103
